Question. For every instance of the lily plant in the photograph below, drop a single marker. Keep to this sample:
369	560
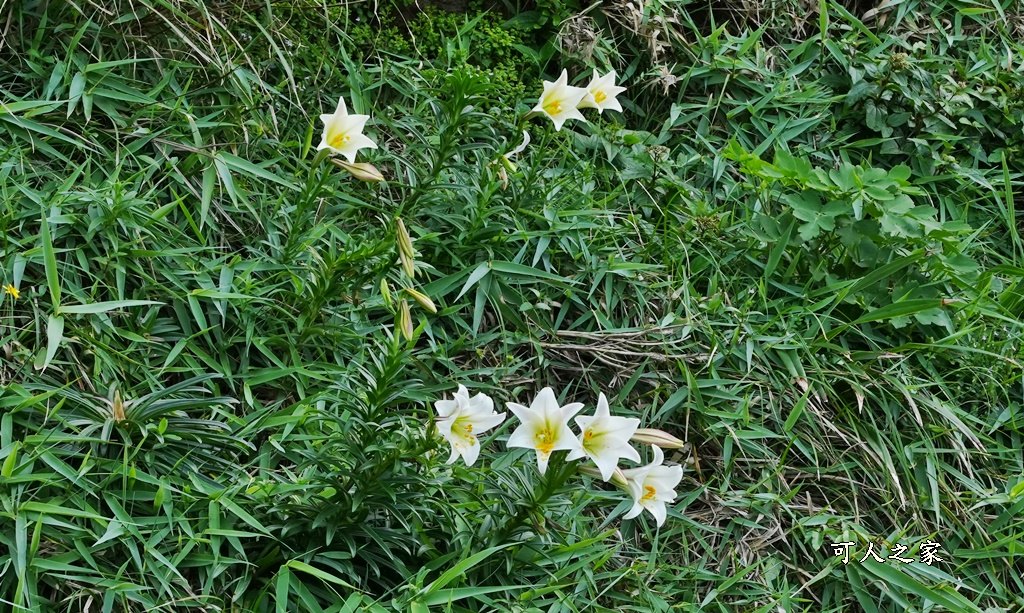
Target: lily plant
544	427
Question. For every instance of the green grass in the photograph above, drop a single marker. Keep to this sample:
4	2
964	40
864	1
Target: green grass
803	257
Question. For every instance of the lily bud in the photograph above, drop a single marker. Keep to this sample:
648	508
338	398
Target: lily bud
658	438
385	293
424	301
404	240
362	171
618	477
407	264
507	163
503	177
117	408
405	320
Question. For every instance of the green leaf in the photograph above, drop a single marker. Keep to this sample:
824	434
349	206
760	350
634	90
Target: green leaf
245	166
242	514
899	581
319	574
780	248
55	509
459	593
103	307
798	410
54	335
889	311
50	263
481	271
459	570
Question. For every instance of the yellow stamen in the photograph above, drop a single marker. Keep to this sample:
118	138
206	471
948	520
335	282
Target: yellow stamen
649	493
545	441
338	140
600	96
553	108
589	434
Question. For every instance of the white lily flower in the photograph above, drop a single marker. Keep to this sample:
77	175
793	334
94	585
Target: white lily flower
559	101
652	486
461	420
343	133
545	426
605	439
601	93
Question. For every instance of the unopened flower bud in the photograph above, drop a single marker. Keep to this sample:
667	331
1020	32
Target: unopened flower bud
407	264
424	301
404	240
507	163
658	438
618	477
361	170
405	320
385	293
117	408
503	177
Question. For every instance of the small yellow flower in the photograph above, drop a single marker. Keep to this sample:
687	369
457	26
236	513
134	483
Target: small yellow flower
10	289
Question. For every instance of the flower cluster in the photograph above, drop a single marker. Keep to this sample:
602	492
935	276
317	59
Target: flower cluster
561	101
544	427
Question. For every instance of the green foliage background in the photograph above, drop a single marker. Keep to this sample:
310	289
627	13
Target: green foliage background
798	249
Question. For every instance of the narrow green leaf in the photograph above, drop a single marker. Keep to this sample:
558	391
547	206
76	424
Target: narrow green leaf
50	263
798	410
316	572
245	166
480	272
55	509
780	248
241	513
209	182
459	570
281	590
54	335
900	581
103	307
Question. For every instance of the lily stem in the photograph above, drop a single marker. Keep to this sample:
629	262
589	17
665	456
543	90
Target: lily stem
557	474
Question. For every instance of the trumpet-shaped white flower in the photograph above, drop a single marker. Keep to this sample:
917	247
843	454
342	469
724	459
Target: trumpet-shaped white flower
545	426
605	439
559	101
343	133
602	93
652	486
461	420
